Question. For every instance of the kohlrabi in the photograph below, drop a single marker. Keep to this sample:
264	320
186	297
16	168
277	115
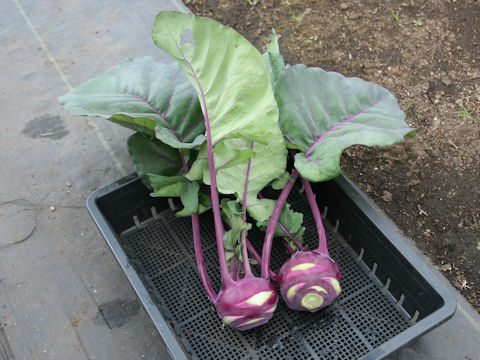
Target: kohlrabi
218	122
244	147
321	114
235	145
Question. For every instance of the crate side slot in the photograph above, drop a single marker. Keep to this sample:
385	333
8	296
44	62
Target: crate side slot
132	199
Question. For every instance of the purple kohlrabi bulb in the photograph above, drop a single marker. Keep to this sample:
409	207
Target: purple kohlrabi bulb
247	303
309	281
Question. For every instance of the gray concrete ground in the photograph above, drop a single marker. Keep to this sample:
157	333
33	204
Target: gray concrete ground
62	295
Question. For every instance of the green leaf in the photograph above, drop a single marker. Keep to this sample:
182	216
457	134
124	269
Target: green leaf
280	183
324	112
299	234
183	213
141	94
272	46
290	220
232	213
205	200
261	209
237	100
202	208
296	147
189	197
158	165
199	165
229	255
168	137
231	156
228	73
268	164
234	207
166	186
152	156
204	204
273	59
228	156
231	238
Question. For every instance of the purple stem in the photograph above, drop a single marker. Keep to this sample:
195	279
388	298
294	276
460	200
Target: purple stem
322	238
286	232
272	224
257	257
234	268
243	235
288	247
197	242
217	217
291	237
238	272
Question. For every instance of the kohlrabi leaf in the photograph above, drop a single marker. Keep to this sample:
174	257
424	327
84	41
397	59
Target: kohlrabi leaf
323	113
205	200
240	111
229	255
153	156
252	176
166	186
204	203
273	59
202	208
228	73
267	163
280	183
261	209
168	137
234	207
185	212
230	239
189	197
290	220
232	213
230	157
141	94
199	165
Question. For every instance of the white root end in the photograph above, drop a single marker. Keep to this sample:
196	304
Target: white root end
312	301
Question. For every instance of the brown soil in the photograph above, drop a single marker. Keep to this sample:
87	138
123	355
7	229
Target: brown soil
428	54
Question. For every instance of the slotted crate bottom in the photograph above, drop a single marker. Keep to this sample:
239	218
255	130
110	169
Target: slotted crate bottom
363	317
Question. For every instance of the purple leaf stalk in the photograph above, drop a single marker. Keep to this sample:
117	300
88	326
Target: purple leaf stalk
242	303
308	280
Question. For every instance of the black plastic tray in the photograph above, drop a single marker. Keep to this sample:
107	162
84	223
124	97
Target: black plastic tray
389	296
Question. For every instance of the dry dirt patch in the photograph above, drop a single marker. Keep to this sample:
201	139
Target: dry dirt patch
428	54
